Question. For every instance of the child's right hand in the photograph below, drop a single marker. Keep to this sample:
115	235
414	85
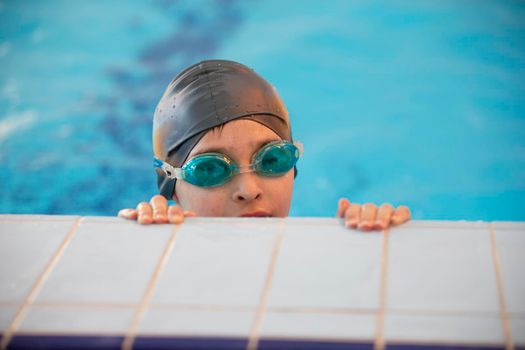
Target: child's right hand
156	211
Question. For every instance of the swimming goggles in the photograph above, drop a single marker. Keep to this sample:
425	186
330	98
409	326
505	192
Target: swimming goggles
215	169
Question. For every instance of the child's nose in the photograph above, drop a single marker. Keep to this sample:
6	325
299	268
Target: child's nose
246	187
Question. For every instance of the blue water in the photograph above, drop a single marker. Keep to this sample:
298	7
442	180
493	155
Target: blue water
407	102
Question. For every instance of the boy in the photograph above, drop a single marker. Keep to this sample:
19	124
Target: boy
223	147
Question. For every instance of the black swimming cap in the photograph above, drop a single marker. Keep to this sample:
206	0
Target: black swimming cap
206	95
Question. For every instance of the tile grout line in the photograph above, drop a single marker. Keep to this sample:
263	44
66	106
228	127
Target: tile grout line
253	340
507	334
379	341
415	226
132	331
80	305
37	286
275	309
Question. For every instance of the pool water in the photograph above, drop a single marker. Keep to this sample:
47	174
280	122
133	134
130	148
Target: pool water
407	102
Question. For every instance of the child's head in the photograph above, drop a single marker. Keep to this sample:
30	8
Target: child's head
224	107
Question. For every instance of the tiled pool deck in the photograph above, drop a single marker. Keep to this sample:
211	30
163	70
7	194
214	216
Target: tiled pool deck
295	283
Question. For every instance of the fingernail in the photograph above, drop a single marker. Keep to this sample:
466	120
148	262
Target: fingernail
160	217
379	225
351	223
177	219
395	219
144	219
365	225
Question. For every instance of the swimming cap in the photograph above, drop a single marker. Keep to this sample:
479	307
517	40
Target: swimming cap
206	95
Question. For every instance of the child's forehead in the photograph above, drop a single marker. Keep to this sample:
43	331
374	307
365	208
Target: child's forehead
235	134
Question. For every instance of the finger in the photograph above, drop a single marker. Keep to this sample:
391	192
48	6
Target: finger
401	214
144	213
352	215
341	207
130	214
368	216
189	214
175	214
159	204
384	213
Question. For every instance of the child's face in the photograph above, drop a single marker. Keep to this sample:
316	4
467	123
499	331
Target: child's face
245	193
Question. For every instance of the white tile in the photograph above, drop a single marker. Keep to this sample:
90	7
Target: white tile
25	249
445	224
319	326
7	313
77	320
232	220
327	266
443	329
32	217
180	321
511	246
107	263
114	220
108	220
517	326
509	225
217	264
330	221
441	269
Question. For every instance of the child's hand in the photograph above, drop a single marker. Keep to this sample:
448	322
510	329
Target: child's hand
156	211
368	216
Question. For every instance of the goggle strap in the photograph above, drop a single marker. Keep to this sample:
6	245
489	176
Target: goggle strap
299	146
170	171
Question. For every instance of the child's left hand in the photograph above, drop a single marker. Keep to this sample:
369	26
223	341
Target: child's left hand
368	216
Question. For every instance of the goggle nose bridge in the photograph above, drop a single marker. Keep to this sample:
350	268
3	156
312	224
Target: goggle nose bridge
243	169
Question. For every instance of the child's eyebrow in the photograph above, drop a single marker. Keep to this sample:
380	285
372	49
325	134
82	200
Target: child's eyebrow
227	151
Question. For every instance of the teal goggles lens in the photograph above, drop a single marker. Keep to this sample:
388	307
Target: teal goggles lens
215	169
